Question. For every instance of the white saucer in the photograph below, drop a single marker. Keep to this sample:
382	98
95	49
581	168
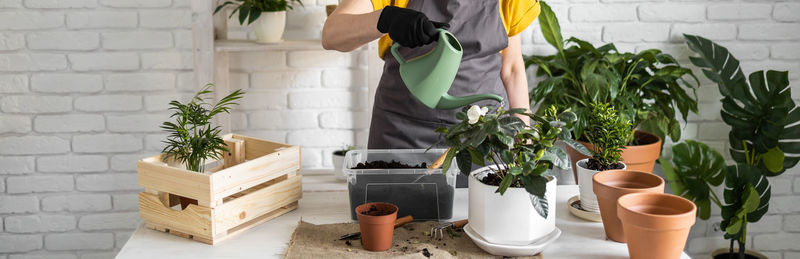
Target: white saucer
575	208
512	250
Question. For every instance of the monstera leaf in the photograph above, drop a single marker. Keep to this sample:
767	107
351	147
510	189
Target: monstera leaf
759	113
697	167
747	194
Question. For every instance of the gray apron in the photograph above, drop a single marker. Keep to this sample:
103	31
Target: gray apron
399	120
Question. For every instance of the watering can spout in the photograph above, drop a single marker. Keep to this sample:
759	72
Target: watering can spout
449	102
429	76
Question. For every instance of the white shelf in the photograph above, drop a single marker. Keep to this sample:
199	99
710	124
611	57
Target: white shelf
249	45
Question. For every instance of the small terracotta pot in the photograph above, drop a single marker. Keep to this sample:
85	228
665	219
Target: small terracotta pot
609	185
637	158
376	231
656	225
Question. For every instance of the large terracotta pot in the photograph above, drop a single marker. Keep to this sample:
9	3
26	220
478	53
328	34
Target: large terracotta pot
508	219
376	230
722	253
610	185
656	225
637	158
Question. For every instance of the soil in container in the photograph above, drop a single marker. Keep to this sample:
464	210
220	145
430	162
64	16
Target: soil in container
375	211
423	196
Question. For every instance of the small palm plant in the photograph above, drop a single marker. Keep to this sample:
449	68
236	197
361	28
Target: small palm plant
192	139
250	10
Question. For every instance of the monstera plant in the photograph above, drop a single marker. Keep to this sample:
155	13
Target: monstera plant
763	143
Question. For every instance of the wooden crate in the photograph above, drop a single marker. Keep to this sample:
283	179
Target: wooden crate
257	182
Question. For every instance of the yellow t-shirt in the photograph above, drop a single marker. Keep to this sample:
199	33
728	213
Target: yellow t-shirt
516	15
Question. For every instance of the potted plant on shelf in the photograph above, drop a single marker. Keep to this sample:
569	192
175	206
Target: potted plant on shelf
192	140
763	119
269	16
338	161
606	132
645	87
509	200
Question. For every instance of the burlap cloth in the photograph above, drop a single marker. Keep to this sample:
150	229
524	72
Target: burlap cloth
321	241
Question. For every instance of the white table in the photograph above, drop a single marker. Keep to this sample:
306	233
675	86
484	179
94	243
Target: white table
325	201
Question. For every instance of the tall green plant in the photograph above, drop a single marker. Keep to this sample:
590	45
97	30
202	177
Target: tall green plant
521	155
608	132
763	141
250	10
645	87
192	139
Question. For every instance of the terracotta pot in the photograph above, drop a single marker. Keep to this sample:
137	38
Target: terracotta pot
376	231
638	158
609	185
586	192
722	253
656	225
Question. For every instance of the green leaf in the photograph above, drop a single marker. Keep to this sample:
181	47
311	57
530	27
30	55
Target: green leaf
739	178
244	11
507	181
751	199
464	161
734	227
535	184
697	167
550	27
773	160
448	160
541	205
515	171
577	146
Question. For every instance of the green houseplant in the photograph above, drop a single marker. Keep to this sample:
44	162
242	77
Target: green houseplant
192	140
763	119
606	133
272	13
646	88
519	158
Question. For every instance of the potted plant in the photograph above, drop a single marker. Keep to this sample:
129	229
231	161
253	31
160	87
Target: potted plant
645	87
509	200
192	140
606	132
763	119
338	160
269	16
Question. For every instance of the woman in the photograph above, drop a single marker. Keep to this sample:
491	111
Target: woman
492	60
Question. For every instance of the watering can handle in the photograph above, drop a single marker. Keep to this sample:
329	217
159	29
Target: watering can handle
396	54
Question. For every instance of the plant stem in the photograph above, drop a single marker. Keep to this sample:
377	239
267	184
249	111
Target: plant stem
714	198
730	250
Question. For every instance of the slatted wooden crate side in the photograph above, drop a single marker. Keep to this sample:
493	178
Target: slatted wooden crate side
156	175
277	193
273	160
194	220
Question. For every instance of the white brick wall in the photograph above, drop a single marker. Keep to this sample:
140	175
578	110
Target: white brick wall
84	85
762	34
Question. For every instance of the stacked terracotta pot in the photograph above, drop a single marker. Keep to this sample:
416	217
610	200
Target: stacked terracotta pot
635	210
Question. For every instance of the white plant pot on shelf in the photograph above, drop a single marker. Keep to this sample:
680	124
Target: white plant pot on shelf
269	27
338	161
509	219
588	199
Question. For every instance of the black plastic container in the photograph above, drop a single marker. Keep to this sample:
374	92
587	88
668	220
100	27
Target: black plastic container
425	194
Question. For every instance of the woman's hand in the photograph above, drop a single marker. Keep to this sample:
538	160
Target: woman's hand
408	27
513	76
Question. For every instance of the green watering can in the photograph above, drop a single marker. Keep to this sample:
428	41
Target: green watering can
429	76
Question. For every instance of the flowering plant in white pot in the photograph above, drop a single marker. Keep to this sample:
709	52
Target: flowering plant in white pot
509	199
269	16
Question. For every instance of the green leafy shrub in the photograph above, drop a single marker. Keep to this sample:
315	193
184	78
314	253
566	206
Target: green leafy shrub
647	88
192	139
522	155
763	142
343	150
609	133
250	10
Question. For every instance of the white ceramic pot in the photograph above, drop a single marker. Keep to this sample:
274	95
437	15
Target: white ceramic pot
338	161
509	219
269	27
588	199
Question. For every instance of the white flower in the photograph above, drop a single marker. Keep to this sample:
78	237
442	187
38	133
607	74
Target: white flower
474	113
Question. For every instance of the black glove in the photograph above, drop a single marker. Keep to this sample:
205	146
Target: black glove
408	27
